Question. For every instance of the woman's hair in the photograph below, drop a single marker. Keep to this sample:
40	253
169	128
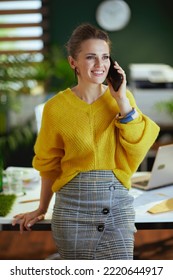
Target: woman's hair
82	33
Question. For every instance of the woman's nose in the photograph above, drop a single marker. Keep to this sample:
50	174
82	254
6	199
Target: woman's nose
98	61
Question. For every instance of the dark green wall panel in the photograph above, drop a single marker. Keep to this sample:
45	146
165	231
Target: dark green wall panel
148	38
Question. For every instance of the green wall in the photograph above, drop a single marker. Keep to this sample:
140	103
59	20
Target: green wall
148	38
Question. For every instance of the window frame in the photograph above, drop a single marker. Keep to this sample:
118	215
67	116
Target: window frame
43	24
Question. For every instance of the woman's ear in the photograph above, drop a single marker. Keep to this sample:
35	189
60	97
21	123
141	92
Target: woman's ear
72	62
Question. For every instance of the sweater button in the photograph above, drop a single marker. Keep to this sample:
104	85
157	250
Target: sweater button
100	228
105	211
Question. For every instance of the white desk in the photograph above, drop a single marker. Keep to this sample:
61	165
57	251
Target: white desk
32	191
142	202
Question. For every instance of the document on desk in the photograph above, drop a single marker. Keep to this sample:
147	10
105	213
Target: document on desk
164	206
144	201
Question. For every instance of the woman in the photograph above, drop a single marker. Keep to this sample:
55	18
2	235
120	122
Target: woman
92	140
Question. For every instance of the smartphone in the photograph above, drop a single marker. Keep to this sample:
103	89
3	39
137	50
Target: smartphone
114	77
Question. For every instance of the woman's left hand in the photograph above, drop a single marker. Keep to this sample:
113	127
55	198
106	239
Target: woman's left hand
120	95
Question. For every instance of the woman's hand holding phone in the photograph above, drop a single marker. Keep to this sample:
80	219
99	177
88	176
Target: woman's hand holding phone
116	79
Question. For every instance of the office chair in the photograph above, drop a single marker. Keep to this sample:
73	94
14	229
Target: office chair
38	115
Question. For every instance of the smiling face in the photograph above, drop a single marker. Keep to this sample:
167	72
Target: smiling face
92	62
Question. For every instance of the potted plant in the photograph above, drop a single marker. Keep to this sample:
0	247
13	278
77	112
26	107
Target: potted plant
166	106
22	74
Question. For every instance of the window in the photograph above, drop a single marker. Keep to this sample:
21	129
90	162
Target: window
23	43
23	26
23	40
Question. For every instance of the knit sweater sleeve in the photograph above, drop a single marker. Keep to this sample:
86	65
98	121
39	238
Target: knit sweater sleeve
49	147
135	139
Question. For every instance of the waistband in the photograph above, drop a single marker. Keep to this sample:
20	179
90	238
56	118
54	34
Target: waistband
96	175
94	180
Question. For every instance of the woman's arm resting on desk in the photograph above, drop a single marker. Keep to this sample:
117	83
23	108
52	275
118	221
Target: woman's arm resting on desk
27	220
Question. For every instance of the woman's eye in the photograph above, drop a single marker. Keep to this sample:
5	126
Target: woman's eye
90	57
106	57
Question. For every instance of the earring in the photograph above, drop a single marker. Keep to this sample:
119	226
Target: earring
76	72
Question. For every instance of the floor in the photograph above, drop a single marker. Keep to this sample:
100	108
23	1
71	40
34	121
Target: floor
149	245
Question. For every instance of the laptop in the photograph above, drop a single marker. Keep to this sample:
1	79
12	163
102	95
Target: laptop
161	173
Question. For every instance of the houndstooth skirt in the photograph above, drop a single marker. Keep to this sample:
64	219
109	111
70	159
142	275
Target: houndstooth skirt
93	218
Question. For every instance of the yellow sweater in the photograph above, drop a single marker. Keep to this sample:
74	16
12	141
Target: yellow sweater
76	137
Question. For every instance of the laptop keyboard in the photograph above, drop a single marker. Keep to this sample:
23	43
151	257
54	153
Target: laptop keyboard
142	183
